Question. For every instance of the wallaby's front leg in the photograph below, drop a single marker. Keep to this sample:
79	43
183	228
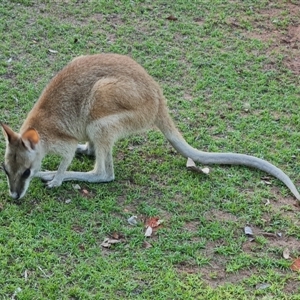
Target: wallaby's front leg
55	178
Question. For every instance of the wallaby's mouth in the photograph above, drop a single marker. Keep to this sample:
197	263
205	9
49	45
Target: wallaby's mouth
15	195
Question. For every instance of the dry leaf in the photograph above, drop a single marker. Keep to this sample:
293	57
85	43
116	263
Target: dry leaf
52	51
132	220
149	231
153	222
267	182
295	265
108	242
286	253
262	286
26	275
248	231
116	236
172	18
190	164
76	187
146	245
85	192
205	170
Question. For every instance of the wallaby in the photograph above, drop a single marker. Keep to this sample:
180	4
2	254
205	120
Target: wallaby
99	99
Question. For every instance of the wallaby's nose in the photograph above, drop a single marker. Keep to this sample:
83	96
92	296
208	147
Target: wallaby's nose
15	195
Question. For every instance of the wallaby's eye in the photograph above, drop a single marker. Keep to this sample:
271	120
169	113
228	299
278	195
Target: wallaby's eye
26	173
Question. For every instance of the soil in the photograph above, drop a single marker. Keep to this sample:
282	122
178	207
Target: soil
281	39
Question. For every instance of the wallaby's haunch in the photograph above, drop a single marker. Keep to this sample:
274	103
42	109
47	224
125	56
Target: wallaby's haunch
99	99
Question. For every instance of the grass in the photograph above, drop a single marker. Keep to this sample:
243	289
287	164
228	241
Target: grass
229	89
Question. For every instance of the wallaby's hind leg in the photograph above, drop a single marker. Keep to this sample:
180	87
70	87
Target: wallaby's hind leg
102	172
103	140
87	149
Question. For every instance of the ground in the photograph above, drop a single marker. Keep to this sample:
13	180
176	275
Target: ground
230	72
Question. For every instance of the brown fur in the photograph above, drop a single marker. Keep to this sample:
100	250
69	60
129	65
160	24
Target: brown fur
99	99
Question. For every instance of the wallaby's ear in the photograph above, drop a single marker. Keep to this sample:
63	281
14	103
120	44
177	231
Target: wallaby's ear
9	134
30	138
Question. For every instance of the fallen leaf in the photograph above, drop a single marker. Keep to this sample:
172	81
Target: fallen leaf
117	235
26	275
85	192
52	51
146	245
105	244
113	241
76	187
262	286
172	18
153	222
248	231
190	164
205	170
267	182
286	253
149	231
295	265
108	242
132	220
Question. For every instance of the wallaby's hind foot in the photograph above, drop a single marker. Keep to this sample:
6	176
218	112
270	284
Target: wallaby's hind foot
90	176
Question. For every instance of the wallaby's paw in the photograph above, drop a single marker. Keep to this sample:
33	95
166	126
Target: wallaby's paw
53	183
46	176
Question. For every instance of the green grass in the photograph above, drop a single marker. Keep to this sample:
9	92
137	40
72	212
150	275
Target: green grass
229	89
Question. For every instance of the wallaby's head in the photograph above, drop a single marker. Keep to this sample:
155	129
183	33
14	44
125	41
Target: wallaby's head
22	159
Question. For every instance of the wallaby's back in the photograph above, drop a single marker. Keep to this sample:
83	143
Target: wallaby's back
93	87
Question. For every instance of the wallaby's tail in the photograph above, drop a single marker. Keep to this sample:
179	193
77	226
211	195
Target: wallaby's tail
167	127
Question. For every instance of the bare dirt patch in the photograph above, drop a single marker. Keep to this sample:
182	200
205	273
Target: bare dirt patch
221	216
280	29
